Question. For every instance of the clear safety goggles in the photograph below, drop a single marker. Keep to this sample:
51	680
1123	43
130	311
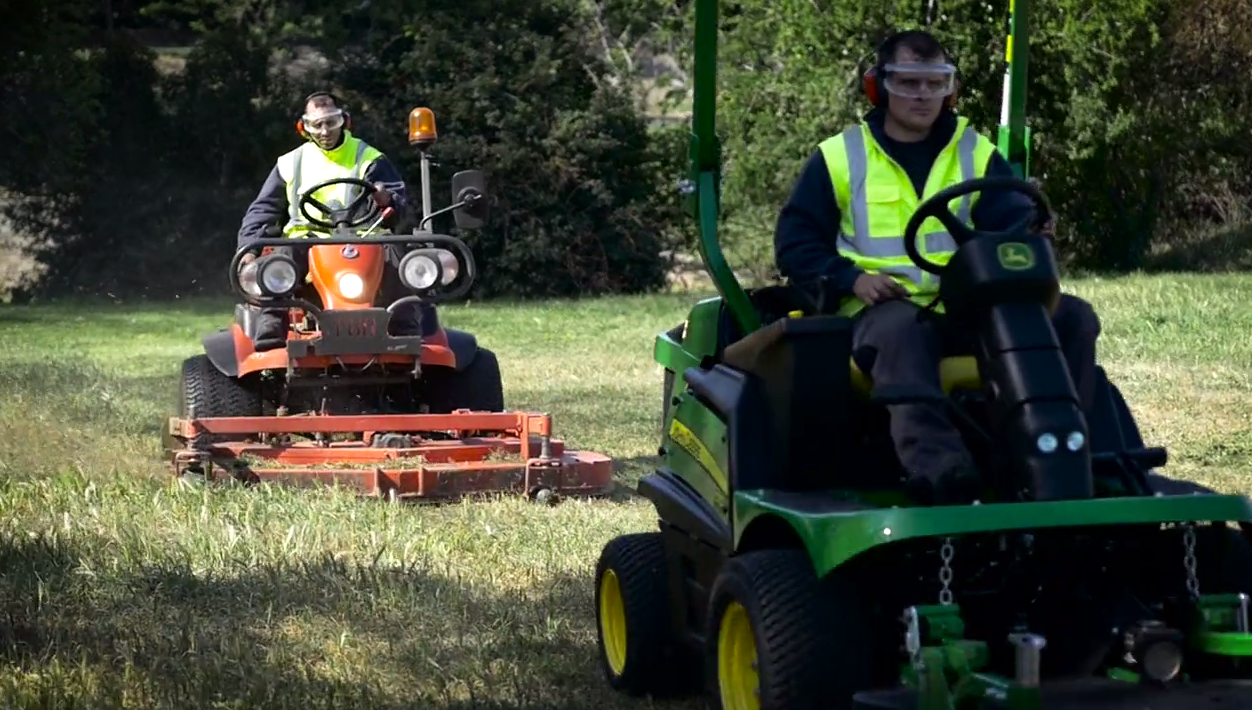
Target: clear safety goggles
323	121
919	80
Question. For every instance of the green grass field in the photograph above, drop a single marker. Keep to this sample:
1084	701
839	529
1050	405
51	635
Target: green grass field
120	587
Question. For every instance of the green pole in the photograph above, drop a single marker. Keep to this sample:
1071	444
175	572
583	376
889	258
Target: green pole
703	189
1014	135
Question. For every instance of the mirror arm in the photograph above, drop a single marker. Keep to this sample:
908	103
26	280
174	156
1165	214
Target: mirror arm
445	210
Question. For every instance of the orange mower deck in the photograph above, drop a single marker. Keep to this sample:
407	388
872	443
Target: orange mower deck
508	452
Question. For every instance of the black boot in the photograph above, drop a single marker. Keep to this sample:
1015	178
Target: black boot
406	320
270	330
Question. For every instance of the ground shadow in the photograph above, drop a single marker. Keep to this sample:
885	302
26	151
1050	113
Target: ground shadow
311	635
1215	251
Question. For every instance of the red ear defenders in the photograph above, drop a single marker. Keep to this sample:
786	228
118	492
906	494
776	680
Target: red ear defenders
870	80
347	117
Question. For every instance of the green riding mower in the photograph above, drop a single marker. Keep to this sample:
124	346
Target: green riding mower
794	569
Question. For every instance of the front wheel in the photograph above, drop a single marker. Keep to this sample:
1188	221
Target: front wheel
780	638
639	653
205	392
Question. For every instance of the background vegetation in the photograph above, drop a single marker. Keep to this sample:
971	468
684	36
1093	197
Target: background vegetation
136	131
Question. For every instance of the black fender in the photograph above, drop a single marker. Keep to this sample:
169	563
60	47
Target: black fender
464	347
220	349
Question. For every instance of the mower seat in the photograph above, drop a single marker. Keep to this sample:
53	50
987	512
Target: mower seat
958	372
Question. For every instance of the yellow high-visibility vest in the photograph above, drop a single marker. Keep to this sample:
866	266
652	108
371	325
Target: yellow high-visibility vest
309	165
876	199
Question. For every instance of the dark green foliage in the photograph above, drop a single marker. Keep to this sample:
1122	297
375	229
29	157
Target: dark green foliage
519	94
580	189
137	180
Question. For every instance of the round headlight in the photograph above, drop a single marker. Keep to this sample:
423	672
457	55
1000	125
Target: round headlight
351	286
247	279
418	271
278	276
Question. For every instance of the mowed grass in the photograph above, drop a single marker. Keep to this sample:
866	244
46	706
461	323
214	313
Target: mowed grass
120	587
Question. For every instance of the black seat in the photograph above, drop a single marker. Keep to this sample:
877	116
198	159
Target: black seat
786	407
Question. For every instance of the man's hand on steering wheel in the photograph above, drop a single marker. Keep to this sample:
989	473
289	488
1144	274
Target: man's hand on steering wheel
382	197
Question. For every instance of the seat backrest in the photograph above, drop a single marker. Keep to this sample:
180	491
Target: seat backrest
801	364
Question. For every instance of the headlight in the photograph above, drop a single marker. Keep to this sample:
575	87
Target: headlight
351	286
278	275
247	279
423	268
419	271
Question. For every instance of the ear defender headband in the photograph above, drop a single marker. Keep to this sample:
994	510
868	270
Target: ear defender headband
347	117
872	81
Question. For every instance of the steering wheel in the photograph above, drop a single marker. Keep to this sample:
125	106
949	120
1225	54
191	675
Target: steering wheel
937	207
341	217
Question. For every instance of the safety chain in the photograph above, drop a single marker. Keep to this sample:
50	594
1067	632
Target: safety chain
945	572
1188	561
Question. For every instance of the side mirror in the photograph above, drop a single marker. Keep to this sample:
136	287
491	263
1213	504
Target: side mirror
469	187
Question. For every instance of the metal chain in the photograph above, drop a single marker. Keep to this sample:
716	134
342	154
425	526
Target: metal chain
945	572
1188	561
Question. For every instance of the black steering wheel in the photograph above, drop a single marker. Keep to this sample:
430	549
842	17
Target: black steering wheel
937	207
341	217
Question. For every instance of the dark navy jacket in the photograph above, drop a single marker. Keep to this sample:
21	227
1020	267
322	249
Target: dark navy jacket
808	225
270	205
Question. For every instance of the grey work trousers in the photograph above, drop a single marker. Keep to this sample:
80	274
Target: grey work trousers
907	351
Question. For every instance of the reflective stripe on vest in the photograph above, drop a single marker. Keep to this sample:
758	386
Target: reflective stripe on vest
876	199
309	165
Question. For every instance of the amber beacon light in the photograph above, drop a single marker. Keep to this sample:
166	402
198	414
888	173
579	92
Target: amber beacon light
421	127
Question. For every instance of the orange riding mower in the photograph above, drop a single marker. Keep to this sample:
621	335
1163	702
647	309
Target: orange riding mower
407	416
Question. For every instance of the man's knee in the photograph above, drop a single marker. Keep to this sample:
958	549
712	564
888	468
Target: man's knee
1075	317
895	346
894	324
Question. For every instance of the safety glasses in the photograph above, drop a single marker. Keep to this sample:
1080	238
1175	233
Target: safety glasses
323	122
919	80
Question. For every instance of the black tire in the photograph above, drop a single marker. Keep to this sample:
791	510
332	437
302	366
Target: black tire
632	596
478	387
812	638
204	389
1223	559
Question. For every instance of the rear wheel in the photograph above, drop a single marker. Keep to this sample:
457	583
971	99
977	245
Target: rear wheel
778	637
478	387
638	651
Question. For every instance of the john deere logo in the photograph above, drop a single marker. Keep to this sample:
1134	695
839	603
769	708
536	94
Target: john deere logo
1015	256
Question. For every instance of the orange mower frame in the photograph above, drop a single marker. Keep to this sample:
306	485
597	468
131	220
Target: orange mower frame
412	416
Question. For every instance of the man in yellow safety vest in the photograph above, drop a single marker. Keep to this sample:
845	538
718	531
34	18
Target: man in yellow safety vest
330	151
844	224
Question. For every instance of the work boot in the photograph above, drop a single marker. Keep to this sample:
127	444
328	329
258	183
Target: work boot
406	321
270	330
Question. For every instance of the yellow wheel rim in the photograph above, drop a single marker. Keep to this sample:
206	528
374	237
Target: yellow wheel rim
737	678
613	622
